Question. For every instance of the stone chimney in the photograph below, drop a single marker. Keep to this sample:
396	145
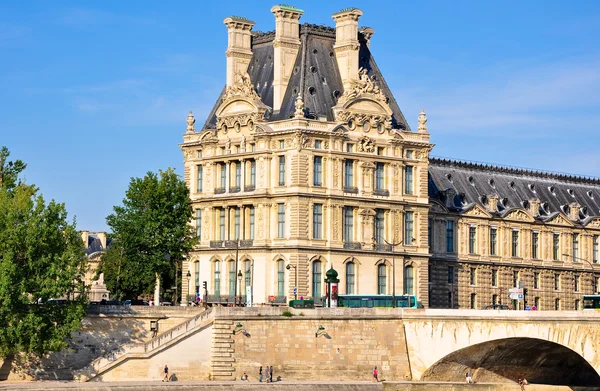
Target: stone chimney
534	207
574	211
85	236
492	203
102	237
239	46
285	48
346	43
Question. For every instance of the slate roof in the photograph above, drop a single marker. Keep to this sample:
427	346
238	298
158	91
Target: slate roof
94	244
315	75
472	182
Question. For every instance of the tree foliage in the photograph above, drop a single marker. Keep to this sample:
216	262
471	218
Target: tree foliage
41	257
151	231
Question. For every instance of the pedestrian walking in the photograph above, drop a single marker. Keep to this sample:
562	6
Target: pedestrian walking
260	374
375	375
267	374
468	378
522	383
271	373
166	378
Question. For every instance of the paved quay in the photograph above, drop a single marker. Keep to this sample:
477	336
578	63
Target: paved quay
281	386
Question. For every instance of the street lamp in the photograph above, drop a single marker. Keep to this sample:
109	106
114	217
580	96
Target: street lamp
295	280
189	277
594	285
239	277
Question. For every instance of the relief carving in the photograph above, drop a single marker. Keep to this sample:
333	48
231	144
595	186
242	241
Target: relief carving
365	144
300	140
364	85
241	88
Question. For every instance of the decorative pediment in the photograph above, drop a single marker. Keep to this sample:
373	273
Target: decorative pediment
560	219
594	223
367	212
241	105
208	137
519	215
435	207
477	211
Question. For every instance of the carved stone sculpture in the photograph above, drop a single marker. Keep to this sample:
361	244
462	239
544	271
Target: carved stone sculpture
190	123
364	85
242	87
299	105
365	144
243	144
422	121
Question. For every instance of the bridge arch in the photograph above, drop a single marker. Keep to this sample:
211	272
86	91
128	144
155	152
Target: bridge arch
505	360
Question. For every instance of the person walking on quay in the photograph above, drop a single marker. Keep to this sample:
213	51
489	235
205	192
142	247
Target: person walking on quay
271	373
267	373
375	375
468	378
260	374
166	378
522	383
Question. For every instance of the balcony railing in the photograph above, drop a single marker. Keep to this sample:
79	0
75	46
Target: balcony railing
382	247
352	245
246	243
219	190
234	189
227	299
381	192
249	188
353	190
216	243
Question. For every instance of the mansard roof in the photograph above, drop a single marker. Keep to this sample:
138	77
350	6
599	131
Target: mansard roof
460	184
316	76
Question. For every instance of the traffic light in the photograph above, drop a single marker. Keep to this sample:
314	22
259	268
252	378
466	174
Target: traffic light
204	285
525	296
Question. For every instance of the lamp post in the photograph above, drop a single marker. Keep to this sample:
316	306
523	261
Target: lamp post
288	267
237	248
189	277
239	277
591	265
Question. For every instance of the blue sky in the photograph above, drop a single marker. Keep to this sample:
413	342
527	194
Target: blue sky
96	92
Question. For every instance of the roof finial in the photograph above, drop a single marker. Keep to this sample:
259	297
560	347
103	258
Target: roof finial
422	122
190	123
299	113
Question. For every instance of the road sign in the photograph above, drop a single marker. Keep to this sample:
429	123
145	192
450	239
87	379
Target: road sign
295	291
527	308
516	290
516	296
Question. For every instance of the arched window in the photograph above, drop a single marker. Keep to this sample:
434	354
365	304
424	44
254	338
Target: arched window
196	276
381	279
231	267
217	279
316	279
409	281
280	278
247	275
350	271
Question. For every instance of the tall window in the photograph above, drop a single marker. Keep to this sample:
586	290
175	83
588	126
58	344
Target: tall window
472	276
349	173
576	283
280	278
408	228
450	274
536	303
350	278
317	221
556	281
282	170
316	279
595	249
493	240
575	247
199	180
515	243
472	242
494	277
198	223
449	236
348	224
536	280
409	280
596	284
473	301
247	275
515	279
381	279
222	224
253	173
251	224
430	234
217	279
408	180
238	174
379	225
557	304
223	169
232	276
494	299
236	223
318	170
197	276
379	176
280	221
534	244
555	246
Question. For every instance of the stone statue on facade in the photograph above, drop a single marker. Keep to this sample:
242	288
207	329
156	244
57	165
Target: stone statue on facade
242	87
228	145
190	123
299	105
365	144
422	121
243	144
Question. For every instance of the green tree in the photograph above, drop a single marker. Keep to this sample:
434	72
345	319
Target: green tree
41	257
151	231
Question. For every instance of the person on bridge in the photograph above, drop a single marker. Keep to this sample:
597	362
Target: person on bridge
468	378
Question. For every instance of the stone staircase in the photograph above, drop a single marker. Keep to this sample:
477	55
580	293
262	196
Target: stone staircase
222	354
147	349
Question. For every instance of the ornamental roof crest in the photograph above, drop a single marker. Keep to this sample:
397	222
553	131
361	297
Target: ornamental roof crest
241	105
241	88
364	85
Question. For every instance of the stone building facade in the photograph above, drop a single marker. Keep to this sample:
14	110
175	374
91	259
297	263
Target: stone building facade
306	162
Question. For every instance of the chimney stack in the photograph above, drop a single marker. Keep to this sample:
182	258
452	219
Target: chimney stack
239	46
102	237
285	48
346	43
85	235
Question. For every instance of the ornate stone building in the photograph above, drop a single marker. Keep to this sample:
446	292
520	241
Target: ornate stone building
306	163
307	159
